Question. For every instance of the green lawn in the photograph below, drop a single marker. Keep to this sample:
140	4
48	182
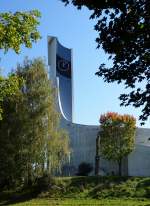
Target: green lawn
88	202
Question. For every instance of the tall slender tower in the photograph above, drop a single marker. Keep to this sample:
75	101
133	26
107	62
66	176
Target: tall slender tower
60	62
82	137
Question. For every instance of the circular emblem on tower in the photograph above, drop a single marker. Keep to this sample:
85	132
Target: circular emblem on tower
63	66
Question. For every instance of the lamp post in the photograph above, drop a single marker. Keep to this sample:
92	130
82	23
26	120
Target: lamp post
97	156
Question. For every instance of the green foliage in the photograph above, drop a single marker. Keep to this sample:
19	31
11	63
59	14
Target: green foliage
99	187
117	136
43	183
8	87
33	143
79	202
123	32
17	29
87	191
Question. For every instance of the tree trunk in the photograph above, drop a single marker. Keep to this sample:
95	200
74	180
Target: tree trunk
43	167
48	169
48	165
97	157
97	163
29	178
120	167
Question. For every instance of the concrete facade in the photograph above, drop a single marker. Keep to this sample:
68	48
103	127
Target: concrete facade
83	137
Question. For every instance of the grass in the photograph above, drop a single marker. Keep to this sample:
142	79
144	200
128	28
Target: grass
89	191
88	202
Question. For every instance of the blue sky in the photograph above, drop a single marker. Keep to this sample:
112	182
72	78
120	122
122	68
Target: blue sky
74	30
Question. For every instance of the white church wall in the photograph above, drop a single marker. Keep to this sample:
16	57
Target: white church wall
83	137
139	161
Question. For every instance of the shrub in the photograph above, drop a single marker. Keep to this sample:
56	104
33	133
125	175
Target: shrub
84	169
44	182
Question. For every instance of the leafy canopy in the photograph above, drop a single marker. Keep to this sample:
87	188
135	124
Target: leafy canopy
117	136
33	143
17	29
8	87
124	33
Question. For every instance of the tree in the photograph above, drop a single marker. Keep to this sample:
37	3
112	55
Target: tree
8	87
124	33
16	29
117	136
10	140
33	143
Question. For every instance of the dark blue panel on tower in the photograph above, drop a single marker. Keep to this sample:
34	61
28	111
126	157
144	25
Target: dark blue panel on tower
64	74
63	66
